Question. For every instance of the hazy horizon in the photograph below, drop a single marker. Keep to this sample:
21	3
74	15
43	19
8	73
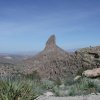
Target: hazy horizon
25	25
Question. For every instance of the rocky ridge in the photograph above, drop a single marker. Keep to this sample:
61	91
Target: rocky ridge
54	62
50	63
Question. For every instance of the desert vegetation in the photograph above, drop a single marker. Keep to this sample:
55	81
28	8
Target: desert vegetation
51	73
29	89
17	90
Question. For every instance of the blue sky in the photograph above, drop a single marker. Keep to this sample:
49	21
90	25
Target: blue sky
25	25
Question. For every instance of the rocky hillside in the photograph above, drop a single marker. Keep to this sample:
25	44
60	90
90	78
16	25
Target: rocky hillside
87	58
50	63
8	65
54	62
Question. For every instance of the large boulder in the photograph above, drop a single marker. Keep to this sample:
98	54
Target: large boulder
77	78
92	73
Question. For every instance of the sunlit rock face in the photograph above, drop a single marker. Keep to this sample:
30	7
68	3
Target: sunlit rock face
93	73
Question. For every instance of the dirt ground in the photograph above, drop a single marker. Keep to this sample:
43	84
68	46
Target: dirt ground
88	97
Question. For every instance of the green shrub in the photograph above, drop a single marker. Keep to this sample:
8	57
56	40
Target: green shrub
81	70
58	81
55	90
33	76
10	90
84	86
72	91
69	81
47	84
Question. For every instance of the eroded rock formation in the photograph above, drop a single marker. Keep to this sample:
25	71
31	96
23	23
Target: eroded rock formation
53	62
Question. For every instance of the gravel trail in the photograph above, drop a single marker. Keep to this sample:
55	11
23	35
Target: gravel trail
88	97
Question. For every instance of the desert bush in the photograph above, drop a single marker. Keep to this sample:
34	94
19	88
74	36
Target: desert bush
15	90
84	86
33	76
69	81
81	70
58	81
47	84
55	90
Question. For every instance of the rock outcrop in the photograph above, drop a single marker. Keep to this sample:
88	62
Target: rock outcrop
53	62
87	58
92	73
51	43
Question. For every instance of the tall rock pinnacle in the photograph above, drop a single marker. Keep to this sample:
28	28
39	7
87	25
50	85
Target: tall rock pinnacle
49	63
51	43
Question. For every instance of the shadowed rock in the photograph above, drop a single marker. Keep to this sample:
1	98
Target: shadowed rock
51	43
